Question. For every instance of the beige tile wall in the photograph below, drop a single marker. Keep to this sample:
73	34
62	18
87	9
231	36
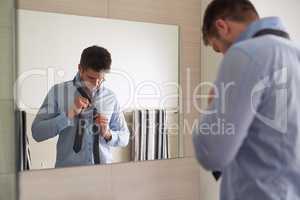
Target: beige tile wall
8	187
186	14
160	180
96	8
172	179
6	62
87	183
7	8
7	133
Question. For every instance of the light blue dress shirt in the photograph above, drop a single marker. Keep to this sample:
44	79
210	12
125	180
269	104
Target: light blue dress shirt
52	120
252	133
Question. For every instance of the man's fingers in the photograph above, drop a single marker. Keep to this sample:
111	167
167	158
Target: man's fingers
101	117
84	100
102	121
211	96
83	103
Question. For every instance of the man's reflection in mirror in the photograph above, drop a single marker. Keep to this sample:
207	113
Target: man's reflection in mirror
84	114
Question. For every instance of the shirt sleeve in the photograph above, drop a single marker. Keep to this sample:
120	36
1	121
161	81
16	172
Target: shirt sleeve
49	121
219	135
118	128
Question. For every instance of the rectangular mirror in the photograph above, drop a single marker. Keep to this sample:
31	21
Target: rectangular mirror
144	81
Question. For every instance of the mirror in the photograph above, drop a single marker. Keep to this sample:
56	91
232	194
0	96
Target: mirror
140	97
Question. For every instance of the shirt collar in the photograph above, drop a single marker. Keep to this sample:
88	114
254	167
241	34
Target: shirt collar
264	23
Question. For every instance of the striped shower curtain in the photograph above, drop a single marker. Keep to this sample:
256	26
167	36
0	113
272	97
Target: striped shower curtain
150	135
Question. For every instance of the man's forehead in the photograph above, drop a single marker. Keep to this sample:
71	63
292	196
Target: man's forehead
95	73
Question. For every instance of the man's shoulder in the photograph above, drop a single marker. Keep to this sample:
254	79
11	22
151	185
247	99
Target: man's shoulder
261	52
261	46
60	88
108	93
251	46
63	84
107	96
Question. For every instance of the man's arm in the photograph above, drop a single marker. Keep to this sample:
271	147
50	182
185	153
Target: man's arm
219	136
49	121
118	130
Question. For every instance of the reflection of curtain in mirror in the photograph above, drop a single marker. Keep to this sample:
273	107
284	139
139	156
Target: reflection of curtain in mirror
150	135
24	160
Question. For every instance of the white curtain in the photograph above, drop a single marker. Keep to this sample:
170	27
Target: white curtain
150	140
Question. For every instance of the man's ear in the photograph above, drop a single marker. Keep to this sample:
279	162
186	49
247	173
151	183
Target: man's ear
222	27
80	68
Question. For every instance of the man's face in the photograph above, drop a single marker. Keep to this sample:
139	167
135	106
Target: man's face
92	79
228	33
218	45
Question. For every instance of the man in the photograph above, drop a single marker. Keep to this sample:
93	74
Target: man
251	133
84	114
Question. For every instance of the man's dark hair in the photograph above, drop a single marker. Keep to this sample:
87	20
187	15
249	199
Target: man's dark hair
236	10
95	58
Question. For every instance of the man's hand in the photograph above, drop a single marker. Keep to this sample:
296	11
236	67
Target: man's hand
102	121
80	103
211	96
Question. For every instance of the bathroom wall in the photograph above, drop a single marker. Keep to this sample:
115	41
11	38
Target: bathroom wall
170	179
7	76
186	14
55	55
160	180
